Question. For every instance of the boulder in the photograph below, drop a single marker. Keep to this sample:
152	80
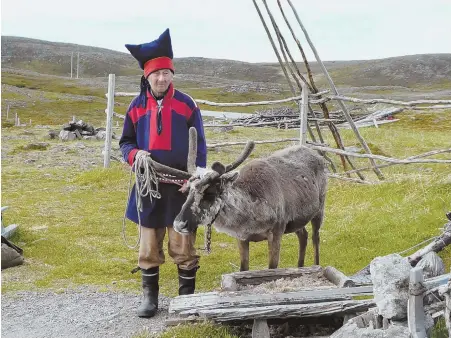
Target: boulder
432	265
66	135
390	276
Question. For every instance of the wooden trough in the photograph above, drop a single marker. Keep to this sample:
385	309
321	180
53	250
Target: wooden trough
242	298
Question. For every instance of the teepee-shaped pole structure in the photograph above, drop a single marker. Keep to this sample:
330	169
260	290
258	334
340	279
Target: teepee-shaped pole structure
290	67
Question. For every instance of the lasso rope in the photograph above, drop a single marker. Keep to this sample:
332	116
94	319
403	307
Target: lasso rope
146	184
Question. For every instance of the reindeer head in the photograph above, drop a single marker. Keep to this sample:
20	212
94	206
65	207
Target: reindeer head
205	196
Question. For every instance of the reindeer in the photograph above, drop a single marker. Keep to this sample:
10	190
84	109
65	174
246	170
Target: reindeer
267	198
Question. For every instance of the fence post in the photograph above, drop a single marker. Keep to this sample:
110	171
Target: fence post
303	115
415	309
109	120
7	112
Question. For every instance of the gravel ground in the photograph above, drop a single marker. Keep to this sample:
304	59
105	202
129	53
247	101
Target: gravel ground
84	312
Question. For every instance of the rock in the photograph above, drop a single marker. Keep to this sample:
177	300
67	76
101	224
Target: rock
390	277
90	129
89	138
66	135
432	265
53	134
371	325
351	330
101	135
67	127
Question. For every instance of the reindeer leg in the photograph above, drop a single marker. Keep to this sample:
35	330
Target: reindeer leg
243	246
316	225
274	249
302	237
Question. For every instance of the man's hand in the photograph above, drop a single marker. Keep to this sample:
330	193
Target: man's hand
141	153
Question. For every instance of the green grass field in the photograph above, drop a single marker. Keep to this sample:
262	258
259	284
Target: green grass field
70	217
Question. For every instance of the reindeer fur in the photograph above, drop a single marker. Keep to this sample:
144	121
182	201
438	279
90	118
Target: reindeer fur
271	196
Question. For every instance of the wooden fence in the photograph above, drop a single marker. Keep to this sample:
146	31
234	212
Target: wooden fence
304	102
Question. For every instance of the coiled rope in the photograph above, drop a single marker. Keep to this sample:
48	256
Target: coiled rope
146	184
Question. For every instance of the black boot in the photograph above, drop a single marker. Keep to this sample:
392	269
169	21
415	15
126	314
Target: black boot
187	281
149	305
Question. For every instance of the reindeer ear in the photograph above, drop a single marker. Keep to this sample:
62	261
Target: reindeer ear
218	167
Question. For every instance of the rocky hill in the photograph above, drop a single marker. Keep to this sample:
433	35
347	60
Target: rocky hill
55	58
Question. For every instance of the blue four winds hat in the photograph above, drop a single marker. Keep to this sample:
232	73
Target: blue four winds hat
154	55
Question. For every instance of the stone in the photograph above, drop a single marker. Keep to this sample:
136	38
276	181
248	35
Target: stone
66	135
351	330
53	134
363	326
101	135
432	265
390	277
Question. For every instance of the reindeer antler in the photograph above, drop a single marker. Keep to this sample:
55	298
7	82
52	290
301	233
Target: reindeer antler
219	169
191	162
192	153
244	155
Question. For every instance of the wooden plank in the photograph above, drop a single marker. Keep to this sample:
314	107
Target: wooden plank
415	310
260	329
434	282
263	276
192	304
436	246
337	277
287	311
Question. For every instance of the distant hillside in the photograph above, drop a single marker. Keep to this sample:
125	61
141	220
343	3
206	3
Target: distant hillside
54	58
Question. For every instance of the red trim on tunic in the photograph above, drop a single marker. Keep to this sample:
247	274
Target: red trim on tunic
162	141
131	156
181	108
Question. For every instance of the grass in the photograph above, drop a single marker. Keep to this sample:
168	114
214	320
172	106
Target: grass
50	84
70	219
218	95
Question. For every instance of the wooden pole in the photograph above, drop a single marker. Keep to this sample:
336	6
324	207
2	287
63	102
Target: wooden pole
16	120
334	90
415	309
303	114
71	63
314	91
260	329
7	112
109	120
78	62
274	47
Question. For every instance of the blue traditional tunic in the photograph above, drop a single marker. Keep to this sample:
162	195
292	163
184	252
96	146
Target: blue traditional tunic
165	135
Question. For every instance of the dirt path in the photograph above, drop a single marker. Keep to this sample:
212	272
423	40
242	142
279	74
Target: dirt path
81	313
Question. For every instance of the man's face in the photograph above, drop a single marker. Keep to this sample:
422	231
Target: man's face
160	80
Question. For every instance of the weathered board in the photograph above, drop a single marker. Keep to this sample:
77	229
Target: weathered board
287	310
231	281
192	304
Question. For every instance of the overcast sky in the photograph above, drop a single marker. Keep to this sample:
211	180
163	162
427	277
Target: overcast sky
231	29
